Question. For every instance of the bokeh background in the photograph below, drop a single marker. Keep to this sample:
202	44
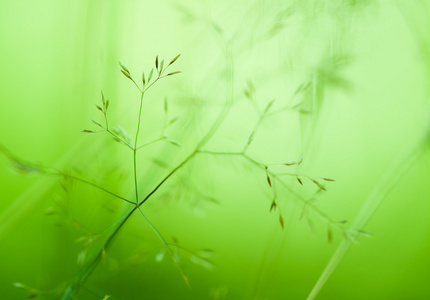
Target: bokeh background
349	80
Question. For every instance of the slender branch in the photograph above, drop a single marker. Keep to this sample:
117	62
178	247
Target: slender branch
140	90
254	130
165	244
135	150
62	174
168	176
295	175
105	115
153	228
119	139
151	142
182	248
55	172
139	120
219	153
81	277
163	240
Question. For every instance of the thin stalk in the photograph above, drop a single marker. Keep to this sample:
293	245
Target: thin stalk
254	130
150	143
140	90
137	134
166	245
62	174
82	277
119	139
138	120
153	228
71	290
187	159
55	172
135	149
107	126
219	153
162	239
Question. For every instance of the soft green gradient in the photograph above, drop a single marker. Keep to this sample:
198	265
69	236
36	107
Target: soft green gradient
360	117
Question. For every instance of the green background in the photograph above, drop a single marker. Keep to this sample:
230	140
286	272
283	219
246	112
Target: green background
361	118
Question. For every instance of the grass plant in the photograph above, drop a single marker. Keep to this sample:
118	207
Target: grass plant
275	179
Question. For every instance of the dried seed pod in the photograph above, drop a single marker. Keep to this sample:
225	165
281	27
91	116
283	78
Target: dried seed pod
150	74
126	74
173	60
273	206
124	68
268	180
281	221
173	73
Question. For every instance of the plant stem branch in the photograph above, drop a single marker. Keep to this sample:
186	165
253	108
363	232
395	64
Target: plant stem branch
119	139
151	142
82	277
153	228
71	290
135	150
168	176
91	184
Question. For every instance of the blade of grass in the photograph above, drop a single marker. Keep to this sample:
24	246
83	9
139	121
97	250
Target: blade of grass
388	181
